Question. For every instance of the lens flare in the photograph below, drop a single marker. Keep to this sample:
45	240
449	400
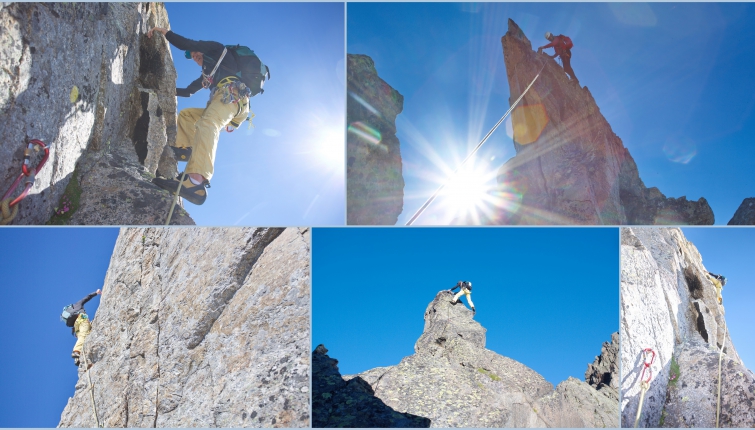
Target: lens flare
367	133
528	123
680	150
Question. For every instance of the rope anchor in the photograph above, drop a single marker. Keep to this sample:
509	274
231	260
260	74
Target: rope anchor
645	383
9	206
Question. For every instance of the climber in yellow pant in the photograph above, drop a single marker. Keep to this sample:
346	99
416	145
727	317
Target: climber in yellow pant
81	328
199	129
465	288
718	281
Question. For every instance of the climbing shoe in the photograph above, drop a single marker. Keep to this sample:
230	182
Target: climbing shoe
75	354
76	361
181	154
196	194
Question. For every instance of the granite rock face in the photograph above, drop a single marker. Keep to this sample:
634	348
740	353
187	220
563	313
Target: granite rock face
601	373
85	79
200	327
668	304
745	214
453	381
375	182
573	169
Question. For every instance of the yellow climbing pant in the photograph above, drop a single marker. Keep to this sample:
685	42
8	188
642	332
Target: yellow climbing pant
200	129
81	327
467	293
719	288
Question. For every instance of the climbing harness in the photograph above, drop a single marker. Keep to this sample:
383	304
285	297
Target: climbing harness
207	79
91	388
30	173
720	358
644	383
430	200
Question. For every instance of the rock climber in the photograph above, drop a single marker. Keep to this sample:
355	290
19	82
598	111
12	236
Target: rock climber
718	281
562	46
465	288
75	316
199	129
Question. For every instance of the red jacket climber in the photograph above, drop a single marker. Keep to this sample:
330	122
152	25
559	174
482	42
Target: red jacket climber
562	45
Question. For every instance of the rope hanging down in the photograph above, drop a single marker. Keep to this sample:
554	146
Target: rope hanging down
645	383
178	191
720	358
430	200
91	387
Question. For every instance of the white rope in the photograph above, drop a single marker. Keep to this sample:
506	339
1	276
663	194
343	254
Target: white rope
430	200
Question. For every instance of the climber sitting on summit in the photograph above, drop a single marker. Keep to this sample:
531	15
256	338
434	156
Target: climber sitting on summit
562	46
75	316
718	281
465	288
233	74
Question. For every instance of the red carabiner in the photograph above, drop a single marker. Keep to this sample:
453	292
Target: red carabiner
30	173
646	365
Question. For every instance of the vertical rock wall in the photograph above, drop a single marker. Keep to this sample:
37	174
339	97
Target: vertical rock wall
109	141
375	187
200	327
572	168
668	304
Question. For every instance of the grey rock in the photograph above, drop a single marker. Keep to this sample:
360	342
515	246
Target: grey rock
200	327
375	183
602	374
109	142
745	214
577	171
454	381
669	305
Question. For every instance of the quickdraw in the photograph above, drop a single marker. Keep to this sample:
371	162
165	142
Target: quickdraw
26	172
644	383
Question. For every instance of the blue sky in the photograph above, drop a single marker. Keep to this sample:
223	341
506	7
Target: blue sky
731	252
549	297
45	269
672	79
288	169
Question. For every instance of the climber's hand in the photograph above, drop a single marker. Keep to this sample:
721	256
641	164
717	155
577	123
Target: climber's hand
539	50
161	30
99	291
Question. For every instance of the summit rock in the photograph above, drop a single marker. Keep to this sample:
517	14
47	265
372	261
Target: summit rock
572	168
452	380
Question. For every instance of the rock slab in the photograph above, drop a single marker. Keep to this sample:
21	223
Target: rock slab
669	305
200	327
108	141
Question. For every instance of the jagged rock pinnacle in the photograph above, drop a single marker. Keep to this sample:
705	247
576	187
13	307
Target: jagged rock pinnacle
453	381
570	167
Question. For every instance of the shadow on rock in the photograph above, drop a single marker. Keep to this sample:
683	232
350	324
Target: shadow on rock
340	403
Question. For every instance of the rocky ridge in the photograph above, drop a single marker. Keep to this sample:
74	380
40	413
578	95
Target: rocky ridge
200	327
450	371
669	305
85	79
575	170
375	182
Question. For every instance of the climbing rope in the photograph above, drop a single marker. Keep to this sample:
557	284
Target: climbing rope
720	358
178	191
8	206
430	200
645	383
91	387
